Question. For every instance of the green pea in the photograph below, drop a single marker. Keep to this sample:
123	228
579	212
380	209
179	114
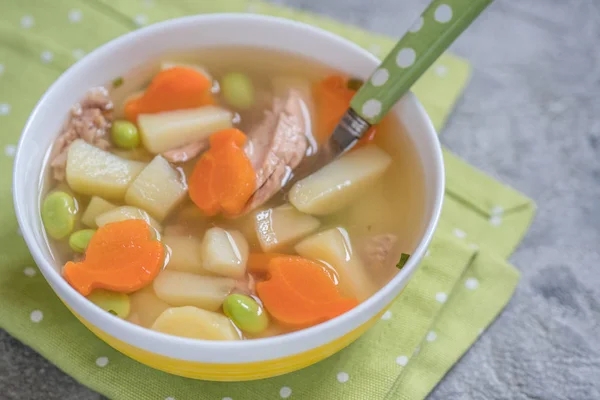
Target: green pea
238	90
125	134
58	214
115	303
246	313
78	241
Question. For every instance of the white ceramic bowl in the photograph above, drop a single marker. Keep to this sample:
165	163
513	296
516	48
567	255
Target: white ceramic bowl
199	358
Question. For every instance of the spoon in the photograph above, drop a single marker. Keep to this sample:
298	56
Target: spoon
429	36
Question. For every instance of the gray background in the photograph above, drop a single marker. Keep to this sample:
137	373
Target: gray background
531	118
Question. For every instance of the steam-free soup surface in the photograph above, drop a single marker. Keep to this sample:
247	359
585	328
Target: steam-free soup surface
166	200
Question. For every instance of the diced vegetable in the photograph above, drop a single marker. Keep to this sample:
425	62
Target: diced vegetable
246	313
115	303
58	214
124	213
185	289
78	241
403	259
146	306
157	189
225	252
195	323
95	172
185	254
170	130
238	90
125	134
223	179
121	257
176	88
258	263
283	225
337	184
301	293
96	207
332	100
334	248
170	64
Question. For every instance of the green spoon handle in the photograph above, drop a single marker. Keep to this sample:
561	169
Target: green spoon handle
439	25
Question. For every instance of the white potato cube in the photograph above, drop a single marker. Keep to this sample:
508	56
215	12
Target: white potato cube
124	213
185	289
225	252
157	189
282	226
185	254
146	306
96	206
334	248
172	129
95	172
337	184
195	323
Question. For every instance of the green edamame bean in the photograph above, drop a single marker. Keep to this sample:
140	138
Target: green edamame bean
246	313
58	214
113	302
125	134
78	241
238	90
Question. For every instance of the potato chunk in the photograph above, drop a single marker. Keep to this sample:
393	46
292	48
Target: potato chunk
185	254
281	226
95	172
195	323
334	248
185	289
172	129
146	306
96	207
126	212
337	184
157	189
225	252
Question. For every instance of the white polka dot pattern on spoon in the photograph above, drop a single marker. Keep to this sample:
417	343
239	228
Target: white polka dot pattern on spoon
402	360
29	271
10	150
36	316
441	297
406	57
75	16
443	13
386	315
102	361
471	283
27	22
4	109
46	56
343	377
416	27
431	336
285	392
380	77
371	108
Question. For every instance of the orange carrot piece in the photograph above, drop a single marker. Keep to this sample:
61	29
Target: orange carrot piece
175	88
332	99
300	293
121	256
258	263
223	178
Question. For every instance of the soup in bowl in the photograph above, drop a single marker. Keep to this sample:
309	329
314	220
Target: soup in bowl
155	187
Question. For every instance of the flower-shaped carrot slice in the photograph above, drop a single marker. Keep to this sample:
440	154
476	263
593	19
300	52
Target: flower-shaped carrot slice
223	179
121	256
172	89
301	293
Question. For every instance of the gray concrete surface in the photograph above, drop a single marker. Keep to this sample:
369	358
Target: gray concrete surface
531	118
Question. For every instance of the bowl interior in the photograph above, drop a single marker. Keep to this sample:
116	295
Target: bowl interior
188	34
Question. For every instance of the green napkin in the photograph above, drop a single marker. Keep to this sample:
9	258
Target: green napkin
462	284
